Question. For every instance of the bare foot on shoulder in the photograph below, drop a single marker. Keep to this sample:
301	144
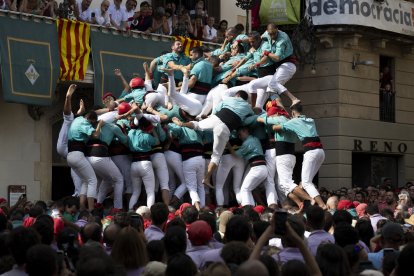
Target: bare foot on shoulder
81	109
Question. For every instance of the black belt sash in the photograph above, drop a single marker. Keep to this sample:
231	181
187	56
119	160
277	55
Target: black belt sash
229	118
117	148
76	146
201	88
191	150
311	143
266	71
140	156
97	148
283	148
257	161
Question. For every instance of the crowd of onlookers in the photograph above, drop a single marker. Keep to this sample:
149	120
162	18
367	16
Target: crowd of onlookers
366	231
193	22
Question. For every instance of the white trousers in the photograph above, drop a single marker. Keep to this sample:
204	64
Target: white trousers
142	172
62	142
312	161
160	167
158	98
285	164
186	102
254	177
282	75
221	134
175	169
108	175
77	182
81	166
214	97
229	163
123	162
193	170
270	186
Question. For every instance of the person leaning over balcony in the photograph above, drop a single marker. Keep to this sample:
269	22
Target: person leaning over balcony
304	127
159	22
130	14
117	14
143	22
101	15
49	8
210	33
8	5
184	26
84	10
72	10
31	6
221	32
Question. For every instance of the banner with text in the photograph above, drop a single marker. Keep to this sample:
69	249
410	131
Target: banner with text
390	15
280	12
29	61
111	52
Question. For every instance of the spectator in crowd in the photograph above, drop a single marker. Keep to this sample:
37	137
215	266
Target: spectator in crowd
8	5
72	11
130	14
49	8
159	22
143	22
31	6
392	236
129	250
199	234
21	239
221	31
117	14
198	29
159	217
390	202
199	10
171	20
316	221
184	27
374	216
210	33
84	10
41	260
101	15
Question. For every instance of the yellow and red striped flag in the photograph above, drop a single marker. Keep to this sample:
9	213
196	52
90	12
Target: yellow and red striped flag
188	43
73	37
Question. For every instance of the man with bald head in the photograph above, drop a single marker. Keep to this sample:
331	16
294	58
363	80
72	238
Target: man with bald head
332	204
109	236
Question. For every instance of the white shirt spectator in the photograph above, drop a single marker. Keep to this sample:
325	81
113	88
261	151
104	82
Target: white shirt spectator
102	20
128	15
3	5
86	14
118	15
210	33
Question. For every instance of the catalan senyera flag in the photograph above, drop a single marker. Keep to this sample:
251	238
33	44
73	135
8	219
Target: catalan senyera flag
73	37
188	43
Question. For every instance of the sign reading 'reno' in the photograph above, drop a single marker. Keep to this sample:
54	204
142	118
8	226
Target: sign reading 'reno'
389	15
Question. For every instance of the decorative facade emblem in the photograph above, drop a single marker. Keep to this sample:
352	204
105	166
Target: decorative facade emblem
31	73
